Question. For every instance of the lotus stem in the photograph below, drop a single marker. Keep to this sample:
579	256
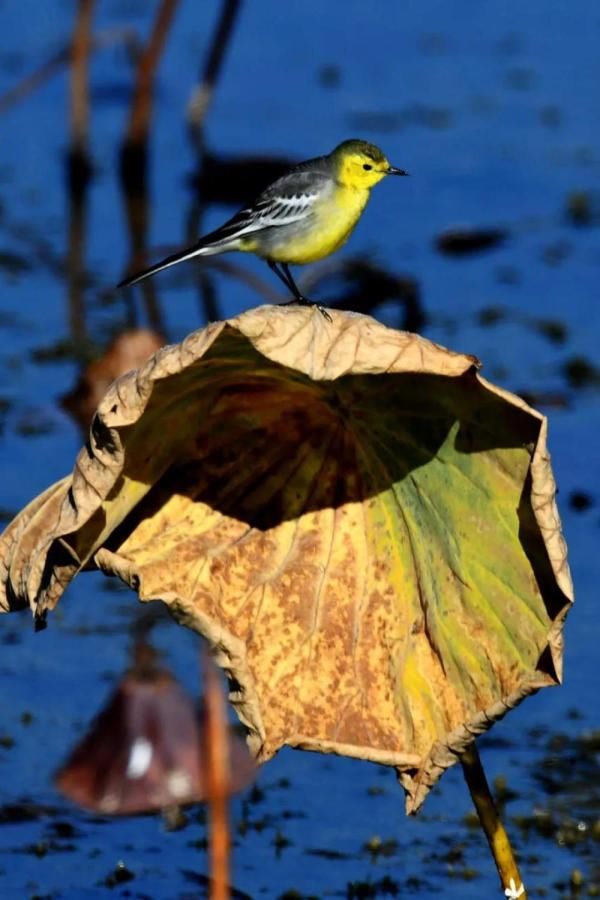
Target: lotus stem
141	109
217	782
495	832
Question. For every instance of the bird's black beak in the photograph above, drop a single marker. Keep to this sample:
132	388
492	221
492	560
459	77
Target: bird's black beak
392	170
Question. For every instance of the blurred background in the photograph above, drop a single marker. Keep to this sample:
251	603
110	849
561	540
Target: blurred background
129	127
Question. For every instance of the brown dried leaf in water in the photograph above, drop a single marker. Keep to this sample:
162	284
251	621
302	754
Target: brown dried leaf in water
128	350
363	527
146	750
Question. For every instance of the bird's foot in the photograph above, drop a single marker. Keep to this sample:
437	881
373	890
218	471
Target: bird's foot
304	301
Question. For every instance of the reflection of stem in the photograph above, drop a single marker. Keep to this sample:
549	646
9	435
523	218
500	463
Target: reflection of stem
208	294
197	109
134	152
75	266
203	92
495	832
206	284
80	53
141	108
78	165
217	750
135	194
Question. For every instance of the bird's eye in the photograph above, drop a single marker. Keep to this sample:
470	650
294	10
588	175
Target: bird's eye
367	167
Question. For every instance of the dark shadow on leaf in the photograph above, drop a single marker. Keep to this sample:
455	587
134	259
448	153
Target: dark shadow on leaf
271	444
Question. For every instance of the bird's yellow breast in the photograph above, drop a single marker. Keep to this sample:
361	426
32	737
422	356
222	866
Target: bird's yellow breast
331	225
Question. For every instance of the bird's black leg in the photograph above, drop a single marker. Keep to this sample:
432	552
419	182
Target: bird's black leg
283	277
300	298
283	272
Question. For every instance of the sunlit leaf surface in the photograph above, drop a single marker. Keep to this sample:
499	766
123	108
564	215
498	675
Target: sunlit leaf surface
363	527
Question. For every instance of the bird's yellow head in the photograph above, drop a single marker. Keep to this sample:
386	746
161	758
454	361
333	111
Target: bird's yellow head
361	165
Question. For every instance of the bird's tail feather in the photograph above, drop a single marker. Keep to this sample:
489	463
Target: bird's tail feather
197	250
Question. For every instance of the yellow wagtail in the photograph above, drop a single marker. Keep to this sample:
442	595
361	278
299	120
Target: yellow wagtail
300	218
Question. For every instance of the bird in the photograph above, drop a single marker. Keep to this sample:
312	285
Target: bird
303	216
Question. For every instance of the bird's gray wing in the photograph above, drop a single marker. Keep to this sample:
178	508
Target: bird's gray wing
288	200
